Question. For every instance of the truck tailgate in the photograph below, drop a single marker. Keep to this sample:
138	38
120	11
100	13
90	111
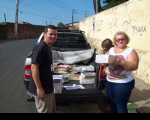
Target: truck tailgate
90	93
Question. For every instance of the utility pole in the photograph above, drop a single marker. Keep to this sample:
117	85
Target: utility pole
50	22
44	21
86	13
96	6
5	18
73	12
16	20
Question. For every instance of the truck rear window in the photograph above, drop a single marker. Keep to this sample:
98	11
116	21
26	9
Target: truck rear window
69	40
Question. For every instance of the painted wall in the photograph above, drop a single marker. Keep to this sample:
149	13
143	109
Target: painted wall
133	17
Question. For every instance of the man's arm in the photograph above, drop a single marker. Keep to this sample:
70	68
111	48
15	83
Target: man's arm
36	78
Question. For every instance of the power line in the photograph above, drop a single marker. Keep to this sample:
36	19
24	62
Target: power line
21	1
43	10
35	14
44	16
64	4
59	5
30	3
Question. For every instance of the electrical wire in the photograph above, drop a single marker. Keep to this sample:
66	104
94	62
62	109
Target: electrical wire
30	3
35	14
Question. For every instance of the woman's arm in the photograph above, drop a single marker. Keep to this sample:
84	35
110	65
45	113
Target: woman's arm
131	64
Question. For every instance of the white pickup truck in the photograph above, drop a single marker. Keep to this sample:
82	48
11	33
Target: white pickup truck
72	41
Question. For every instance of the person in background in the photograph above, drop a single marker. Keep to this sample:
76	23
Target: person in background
106	45
120	80
41	84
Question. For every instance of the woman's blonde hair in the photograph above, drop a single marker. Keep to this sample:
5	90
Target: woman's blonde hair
123	34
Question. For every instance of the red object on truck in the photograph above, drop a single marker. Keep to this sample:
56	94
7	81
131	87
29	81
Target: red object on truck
102	74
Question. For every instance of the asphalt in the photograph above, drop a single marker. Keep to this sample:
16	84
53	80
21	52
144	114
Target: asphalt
141	96
5	41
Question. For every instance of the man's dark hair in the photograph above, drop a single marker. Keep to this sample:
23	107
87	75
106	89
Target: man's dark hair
49	27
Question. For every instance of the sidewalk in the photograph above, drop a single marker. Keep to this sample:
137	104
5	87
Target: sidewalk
141	96
4	41
13	40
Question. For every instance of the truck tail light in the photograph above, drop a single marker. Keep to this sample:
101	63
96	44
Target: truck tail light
27	73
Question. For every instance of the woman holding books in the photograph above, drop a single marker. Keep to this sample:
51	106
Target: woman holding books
120	80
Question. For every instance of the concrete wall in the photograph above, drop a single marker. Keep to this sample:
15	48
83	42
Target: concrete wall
133	17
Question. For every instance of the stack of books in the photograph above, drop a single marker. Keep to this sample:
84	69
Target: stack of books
62	69
88	69
73	76
87	78
75	70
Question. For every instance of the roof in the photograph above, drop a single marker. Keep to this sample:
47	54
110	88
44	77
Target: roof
22	22
71	23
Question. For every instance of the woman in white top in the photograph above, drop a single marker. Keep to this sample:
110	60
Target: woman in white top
120	80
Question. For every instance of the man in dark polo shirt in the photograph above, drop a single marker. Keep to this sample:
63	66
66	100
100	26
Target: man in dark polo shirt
41	85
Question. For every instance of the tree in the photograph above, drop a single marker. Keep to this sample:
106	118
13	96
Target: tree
99	5
60	24
109	4
112	3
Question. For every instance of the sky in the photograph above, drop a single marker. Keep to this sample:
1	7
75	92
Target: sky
37	12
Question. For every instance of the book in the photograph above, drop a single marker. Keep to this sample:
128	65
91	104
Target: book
88	68
64	66
87	82
57	71
74	87
86	79
76	69
105	59
88	74
73	76
65	78
62	69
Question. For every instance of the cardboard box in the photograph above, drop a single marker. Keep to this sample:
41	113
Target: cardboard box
104	58
57	82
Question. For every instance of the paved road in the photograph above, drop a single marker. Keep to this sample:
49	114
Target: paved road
12	90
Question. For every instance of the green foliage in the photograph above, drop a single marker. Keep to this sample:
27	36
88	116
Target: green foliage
60	24
112	3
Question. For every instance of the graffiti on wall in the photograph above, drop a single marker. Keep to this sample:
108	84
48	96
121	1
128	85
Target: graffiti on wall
89	25
120	18
123	19
112	11
98	25
126	26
